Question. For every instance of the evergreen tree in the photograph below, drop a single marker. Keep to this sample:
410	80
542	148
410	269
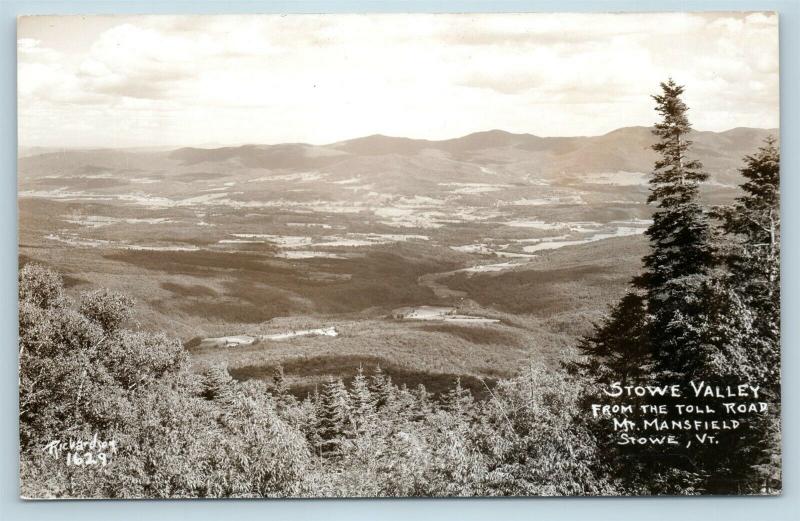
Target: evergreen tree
312	405
424	405
458	401
218	385
279	381
333	416
681	253
752	226
280	389
363	413
404	404
381	388
688	318
752	256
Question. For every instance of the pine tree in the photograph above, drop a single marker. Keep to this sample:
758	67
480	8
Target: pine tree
403	405
333	416
312	405
681	253
362	411
280	389
459	401
424	405
752	227
686	318
218	385
752	256
381	387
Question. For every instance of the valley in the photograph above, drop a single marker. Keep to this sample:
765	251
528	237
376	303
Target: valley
435	260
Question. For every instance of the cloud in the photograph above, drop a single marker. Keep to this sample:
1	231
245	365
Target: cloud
565	30
185	79
142	62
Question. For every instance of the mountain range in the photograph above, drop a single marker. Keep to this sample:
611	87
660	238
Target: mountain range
395	165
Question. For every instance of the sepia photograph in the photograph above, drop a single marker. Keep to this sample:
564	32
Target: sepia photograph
399	255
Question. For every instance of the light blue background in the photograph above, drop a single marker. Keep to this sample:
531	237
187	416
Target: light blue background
786	507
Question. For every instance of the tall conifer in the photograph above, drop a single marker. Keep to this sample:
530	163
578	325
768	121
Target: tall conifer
681	254
333	416
362	410
753	228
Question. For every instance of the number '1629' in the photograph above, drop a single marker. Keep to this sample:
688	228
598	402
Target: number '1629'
87	459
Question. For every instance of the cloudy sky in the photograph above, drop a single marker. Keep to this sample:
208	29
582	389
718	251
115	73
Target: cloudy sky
194	80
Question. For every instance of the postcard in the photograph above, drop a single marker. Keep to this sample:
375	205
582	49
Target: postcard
399	255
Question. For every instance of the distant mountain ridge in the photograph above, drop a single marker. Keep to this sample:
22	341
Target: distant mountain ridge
624	149
390	162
